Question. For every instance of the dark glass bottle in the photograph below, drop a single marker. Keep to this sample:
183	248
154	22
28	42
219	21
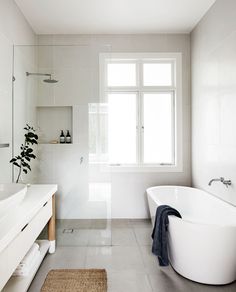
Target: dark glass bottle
68	137
62	137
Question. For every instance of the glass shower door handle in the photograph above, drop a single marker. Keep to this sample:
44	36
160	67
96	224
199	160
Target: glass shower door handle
4	145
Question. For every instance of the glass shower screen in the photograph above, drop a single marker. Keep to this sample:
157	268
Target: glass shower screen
73	105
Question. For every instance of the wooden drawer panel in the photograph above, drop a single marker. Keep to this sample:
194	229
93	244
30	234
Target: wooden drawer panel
17	249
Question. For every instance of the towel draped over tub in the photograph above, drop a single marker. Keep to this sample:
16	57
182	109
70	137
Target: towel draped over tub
159	234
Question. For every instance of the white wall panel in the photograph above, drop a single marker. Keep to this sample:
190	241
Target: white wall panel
213	100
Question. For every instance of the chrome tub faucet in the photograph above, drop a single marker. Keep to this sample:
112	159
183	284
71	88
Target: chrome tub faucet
227	183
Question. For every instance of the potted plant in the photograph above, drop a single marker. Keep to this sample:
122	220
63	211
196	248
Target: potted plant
22	161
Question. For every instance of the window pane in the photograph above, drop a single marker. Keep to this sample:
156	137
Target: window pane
158	121
121	74
122	127
157	74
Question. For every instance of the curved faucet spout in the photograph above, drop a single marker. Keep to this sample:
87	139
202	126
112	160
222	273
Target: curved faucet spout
227	183
221	179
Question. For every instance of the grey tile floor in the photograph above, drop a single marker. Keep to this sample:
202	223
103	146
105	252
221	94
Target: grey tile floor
123	248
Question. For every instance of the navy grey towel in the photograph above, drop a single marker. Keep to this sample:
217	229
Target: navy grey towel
159	234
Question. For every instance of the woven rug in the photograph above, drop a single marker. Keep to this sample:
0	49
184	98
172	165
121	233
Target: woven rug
82	280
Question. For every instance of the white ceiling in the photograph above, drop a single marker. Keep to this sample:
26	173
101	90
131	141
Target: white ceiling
113	16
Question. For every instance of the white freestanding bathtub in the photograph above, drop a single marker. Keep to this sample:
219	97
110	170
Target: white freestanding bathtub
202	245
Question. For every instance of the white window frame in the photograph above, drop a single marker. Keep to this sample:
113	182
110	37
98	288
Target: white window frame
176	60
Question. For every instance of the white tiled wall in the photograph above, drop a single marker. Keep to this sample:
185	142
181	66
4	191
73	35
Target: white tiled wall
75	65
13	30
214	99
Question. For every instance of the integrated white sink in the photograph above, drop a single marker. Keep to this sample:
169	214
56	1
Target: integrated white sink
10	196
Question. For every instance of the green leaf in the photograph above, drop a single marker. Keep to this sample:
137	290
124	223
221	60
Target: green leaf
32	156
34	141
29	150
25	164
30	135
26	153
16	164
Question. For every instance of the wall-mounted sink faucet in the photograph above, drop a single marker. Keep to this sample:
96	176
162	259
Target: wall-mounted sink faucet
227	183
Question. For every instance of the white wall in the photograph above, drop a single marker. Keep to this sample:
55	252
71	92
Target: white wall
13	30
127	198
6	53
77	71
214	99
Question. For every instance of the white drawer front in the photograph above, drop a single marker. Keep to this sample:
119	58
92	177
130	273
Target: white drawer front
17	249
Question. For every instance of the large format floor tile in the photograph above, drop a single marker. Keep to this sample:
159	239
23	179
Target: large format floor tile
75	238
74	223
136	223
121	223
123	248
143	235
130	281
123	237
99	237
168	280
115	258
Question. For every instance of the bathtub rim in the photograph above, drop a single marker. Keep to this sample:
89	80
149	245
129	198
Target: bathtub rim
212	196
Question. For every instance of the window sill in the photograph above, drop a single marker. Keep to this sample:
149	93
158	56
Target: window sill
143	168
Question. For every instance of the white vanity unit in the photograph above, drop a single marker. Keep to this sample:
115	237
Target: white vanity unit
19	229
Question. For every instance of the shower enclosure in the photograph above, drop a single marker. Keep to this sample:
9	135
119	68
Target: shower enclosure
56	87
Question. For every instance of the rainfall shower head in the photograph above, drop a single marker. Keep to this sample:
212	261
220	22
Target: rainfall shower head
49	80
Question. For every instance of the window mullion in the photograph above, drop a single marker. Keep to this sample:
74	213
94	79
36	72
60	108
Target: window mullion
141	143
137	128
173	127
139	112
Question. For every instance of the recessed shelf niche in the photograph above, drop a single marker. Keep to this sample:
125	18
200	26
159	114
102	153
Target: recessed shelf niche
51	120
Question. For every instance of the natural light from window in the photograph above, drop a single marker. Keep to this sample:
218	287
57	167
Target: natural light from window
119	74
157	74
122	128
139	120
158	124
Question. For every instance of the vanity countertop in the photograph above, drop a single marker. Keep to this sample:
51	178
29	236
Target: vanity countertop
14	222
